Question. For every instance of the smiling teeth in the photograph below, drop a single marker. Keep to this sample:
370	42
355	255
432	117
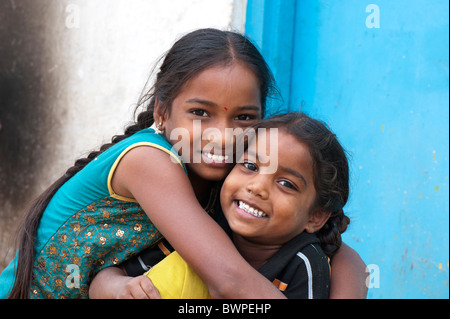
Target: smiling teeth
217	158
251	210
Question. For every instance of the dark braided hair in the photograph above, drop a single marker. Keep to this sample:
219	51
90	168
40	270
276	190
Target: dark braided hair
190	55
331	172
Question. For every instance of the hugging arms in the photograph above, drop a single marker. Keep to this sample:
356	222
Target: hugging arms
216	77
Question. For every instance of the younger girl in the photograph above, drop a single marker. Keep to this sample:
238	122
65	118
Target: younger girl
286	222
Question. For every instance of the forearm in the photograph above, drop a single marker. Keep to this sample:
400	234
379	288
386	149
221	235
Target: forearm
107	283
249	288
236	279
348	275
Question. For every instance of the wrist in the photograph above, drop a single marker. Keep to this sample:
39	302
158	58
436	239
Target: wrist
107	283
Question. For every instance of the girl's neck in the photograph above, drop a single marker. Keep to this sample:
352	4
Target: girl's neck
201	187
254	253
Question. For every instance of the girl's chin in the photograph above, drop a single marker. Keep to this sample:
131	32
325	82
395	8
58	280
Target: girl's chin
208	172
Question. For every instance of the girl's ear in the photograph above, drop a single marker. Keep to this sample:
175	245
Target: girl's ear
159	112
317	219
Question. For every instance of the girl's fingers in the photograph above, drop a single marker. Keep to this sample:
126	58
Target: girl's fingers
150	290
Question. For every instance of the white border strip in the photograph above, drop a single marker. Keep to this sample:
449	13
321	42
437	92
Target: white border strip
309	270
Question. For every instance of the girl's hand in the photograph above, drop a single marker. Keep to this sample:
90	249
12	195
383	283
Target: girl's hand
113	283
138	288
348	275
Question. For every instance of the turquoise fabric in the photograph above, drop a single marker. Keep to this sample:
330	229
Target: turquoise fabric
80	227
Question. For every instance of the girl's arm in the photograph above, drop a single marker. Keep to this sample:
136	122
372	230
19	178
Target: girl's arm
348	275
166	195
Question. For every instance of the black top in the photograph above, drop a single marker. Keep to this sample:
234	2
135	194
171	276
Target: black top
300	269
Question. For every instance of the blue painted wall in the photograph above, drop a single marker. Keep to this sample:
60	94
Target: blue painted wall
384	91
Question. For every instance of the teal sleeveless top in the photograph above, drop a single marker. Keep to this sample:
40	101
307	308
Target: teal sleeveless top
86	227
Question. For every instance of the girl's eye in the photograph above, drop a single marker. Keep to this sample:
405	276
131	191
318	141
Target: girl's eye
245	117
287	184
250	166
199	112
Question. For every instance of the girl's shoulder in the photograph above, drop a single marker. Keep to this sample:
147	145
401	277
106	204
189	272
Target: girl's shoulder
145	136
109	159
99	172
93	182
148	137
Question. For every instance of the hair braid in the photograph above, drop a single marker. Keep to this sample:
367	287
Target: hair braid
330	234
27	236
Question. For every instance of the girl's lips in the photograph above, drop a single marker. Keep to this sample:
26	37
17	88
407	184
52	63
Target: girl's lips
215	160
214	157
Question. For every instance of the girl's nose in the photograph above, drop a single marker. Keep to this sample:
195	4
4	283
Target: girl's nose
226	131
258	187
221	133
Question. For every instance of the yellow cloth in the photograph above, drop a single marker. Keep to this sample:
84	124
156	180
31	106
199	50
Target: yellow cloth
175	279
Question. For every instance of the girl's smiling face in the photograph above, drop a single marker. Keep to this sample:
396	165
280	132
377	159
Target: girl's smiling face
217	98
272	208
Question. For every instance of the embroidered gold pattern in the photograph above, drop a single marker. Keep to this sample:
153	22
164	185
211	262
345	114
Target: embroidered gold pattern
107	232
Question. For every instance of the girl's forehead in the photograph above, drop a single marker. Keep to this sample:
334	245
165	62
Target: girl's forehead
225	86
270	142
235	72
